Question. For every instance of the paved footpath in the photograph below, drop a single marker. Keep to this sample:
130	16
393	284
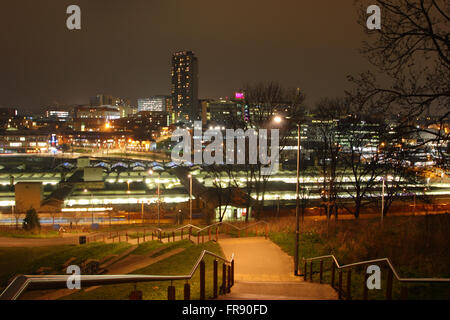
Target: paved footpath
38	242
265	272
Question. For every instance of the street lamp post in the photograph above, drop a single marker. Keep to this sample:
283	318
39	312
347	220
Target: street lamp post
159	203
92	204
382	201
297	203
190	198
128	197
150	172
278	120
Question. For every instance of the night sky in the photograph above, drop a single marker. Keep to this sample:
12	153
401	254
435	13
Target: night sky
124	47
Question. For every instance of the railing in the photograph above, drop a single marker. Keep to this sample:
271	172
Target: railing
193	232
31	282
200	232
347	293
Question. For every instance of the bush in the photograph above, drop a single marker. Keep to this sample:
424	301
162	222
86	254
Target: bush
31	221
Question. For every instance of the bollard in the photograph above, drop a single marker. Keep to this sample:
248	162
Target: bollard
321	271
389	285
202	280
224	278
187	291
171	292
340	285
311	271
349	285
144	235
365	289
333	268
215	278
138	239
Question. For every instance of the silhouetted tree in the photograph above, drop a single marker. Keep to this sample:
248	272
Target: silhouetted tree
411	50
31	221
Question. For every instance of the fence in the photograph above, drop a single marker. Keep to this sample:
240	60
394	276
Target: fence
191	232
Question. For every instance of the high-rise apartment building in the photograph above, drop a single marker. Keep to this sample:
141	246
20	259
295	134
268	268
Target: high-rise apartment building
185	86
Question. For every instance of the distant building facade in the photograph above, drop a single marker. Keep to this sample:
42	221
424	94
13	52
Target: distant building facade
106	112
155	103
184	75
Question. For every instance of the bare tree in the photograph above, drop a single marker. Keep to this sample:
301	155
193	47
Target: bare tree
328	113
412	50
359	137
224	186
264	101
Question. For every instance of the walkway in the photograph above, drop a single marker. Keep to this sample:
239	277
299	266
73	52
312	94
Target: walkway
39	242
264	272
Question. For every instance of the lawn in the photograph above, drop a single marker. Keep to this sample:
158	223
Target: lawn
179	264
15	261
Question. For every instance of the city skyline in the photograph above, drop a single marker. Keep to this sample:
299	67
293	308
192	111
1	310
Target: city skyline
128	53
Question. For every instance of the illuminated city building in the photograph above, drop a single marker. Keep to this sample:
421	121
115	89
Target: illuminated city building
185	86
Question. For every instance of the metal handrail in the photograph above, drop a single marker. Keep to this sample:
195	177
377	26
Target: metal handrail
221	223
391	266
38	282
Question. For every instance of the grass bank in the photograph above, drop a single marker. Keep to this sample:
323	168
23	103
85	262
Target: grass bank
179	264
417	247
15	261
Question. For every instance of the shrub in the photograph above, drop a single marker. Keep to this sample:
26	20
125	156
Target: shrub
31	221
